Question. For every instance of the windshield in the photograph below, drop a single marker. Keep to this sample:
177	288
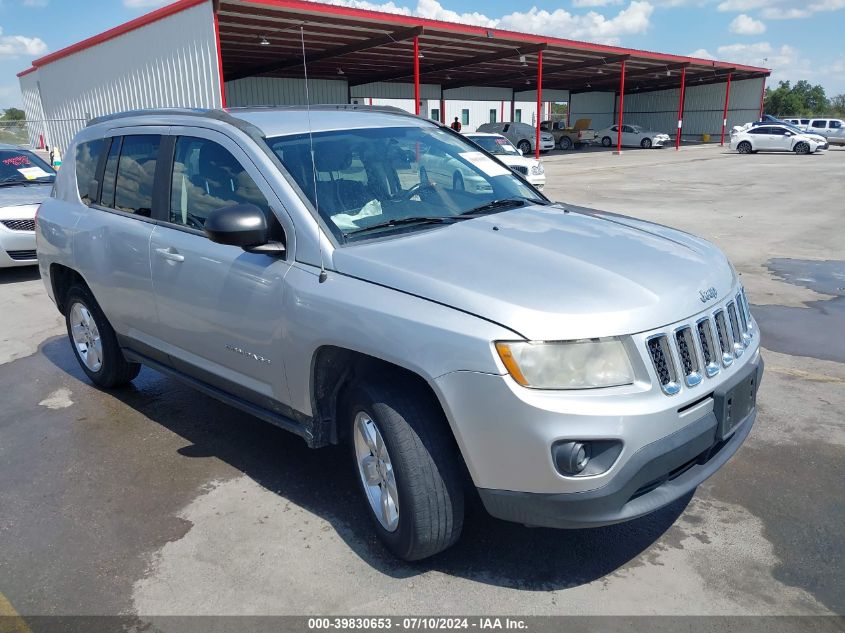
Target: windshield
21	166
495	144
392	177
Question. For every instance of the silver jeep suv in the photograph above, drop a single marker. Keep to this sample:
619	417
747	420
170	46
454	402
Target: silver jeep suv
575	368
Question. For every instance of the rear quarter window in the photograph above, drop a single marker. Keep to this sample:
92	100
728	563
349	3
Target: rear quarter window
87	159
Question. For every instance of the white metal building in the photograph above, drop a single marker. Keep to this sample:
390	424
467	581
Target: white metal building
217	53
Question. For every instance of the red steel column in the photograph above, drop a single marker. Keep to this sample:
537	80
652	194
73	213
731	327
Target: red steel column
416	74
502	110
762	97
443	110
725	112
219	61
621	108
539	103
681	108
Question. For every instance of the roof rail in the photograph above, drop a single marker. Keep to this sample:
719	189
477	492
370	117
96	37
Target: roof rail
199	112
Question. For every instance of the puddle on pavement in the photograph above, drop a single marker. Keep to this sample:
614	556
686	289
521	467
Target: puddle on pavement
814	330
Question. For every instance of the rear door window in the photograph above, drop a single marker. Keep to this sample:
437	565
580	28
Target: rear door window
136	174
818	123
87	160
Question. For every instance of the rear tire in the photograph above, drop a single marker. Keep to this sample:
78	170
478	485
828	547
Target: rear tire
744	147
412	458
645	143
94	342
802	148
606	141
565	142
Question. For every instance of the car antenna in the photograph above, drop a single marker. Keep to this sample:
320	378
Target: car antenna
323	276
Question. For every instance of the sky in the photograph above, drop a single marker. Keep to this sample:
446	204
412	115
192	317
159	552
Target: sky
797	39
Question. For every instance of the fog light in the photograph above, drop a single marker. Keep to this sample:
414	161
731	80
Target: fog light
572	457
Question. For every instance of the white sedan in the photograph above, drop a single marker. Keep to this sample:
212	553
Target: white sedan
633	136
775	138
496	144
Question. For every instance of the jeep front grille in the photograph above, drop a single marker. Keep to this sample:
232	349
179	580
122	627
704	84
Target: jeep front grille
664	366
688	356
702	348
19	225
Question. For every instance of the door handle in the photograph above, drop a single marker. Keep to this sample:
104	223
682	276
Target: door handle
170	254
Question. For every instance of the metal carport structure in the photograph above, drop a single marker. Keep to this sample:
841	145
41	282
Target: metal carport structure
223	43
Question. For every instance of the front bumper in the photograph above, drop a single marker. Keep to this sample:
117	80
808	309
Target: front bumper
655	476
17	248
538	181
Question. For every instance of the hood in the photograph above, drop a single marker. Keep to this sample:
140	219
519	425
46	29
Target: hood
548	274
515	159
582	124
24	194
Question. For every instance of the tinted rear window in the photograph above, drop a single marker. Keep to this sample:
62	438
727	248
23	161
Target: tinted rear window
136	173
87	158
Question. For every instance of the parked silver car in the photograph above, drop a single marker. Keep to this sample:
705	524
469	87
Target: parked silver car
578	368
522	135
25	180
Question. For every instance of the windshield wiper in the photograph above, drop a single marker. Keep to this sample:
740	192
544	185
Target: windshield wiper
421	219
497	205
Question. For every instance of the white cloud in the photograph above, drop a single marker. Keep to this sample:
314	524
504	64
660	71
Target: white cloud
785	61
144	4
593	26
779	13
594	3
37	4
703	53
17	45
746	25
742	5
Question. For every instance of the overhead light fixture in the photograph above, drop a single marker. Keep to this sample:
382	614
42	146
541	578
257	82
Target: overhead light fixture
522	60
448	77
340	71
420	56
527	82
264	41
600	72
668	73
589	85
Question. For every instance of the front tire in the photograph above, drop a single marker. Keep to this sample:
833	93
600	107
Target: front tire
565	142
525	147
407	465
646	143
606	141
94	342
802	148
744	147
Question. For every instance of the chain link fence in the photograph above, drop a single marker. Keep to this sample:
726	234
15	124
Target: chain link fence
41	134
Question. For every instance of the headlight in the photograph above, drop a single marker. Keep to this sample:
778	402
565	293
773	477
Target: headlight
581	364
537	169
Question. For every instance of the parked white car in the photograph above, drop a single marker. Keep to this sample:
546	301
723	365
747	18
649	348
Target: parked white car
633	136
446	170
25	181
775	138
520	134
532	170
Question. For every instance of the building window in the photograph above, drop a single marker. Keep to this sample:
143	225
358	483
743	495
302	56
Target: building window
464	117
435	114
492	115
517	115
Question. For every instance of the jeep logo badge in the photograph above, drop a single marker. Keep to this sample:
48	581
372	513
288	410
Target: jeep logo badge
707	295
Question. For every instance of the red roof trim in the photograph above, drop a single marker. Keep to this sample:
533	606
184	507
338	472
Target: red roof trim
117	31
467	29
31	69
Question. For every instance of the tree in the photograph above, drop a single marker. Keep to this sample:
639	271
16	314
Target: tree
802	99
13	114
837	105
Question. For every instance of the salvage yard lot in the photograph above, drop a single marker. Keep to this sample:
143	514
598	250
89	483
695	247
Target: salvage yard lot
157	500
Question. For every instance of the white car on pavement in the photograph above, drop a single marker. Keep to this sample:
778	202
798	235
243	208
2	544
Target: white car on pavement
775	138
496	144
633	136
25	181
520	134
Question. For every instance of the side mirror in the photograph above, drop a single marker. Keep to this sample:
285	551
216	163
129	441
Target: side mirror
243	225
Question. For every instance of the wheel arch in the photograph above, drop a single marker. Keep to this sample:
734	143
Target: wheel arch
334	368
62	279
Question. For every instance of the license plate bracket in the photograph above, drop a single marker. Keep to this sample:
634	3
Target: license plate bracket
736	404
